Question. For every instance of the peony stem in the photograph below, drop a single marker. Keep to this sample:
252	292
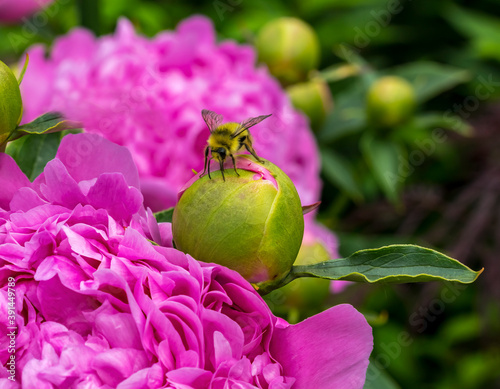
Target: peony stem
89	14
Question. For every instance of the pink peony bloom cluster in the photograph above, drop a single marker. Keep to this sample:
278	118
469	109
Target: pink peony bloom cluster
13	11
98	305
147	94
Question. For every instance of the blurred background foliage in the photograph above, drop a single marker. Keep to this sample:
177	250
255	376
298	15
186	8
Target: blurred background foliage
403	99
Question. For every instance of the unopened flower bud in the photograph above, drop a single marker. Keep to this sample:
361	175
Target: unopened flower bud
251	223
290	48
390	101
314	99
11	105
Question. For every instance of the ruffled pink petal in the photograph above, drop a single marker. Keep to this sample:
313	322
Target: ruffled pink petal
115	365
62	305
59	187
189	378
25	199
151	377
86	156
329	350
81	45
158	195
11	180
118	328
112	193
6	383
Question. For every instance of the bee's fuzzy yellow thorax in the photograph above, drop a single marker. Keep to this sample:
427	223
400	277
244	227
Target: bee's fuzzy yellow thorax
231	127
221	137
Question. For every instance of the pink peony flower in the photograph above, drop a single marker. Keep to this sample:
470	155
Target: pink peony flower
147	94
13	11
99	306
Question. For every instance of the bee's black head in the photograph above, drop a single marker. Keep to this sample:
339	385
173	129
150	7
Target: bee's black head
222	153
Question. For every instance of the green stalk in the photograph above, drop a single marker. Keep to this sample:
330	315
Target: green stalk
89	14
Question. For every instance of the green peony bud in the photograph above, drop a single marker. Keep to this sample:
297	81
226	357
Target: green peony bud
251	223
11	105
314	99
390	101
290	48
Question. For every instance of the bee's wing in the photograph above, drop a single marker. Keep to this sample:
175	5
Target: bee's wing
246	124
212	119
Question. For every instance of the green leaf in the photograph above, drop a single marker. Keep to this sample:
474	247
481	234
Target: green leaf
399	263
382	157
164	216
45	124
340	173
320	6
32	152
462	328
23	70
440	120
394	264
348	116
430	79
473	24
377	378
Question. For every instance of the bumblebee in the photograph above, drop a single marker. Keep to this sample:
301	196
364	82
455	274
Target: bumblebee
226	139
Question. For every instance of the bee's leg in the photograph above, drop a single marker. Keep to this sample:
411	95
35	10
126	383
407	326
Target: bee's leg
222	169
234	165
252	151
209	168
206	160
